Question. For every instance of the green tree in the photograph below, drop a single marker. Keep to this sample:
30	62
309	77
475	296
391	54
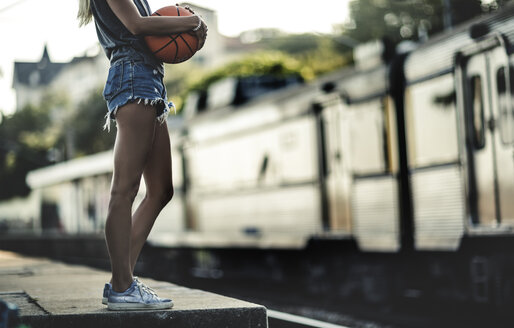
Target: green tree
86	126
292	44
307	65
406	19
259	63
23	147
30	135
318	53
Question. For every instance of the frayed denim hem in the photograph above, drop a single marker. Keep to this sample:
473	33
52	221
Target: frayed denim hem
161	118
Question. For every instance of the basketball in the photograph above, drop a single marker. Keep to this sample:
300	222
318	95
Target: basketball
173	48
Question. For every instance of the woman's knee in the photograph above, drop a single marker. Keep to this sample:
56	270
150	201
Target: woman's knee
162	196
124	192
167	195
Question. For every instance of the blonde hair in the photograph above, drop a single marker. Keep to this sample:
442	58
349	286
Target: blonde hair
84	15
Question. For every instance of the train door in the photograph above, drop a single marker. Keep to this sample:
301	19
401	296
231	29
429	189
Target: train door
337	179
489	122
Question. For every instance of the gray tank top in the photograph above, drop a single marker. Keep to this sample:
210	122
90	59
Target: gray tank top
116	40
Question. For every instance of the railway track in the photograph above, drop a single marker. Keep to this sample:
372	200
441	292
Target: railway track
278	319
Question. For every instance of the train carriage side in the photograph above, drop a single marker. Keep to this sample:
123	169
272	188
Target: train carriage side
362	175
253	173
459	131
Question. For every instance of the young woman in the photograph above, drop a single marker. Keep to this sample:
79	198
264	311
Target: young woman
137	102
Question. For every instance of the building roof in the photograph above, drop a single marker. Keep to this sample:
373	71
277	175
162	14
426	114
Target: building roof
36	73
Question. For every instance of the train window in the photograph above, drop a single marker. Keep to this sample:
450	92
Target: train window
505	104
366	129
431	122
477	112
222	93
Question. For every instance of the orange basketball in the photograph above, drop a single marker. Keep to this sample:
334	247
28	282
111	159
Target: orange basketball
173	48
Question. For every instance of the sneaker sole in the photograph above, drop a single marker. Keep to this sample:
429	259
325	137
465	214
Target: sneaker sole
139	306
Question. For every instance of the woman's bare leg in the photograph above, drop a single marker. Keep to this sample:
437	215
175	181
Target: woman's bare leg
159	190
136	125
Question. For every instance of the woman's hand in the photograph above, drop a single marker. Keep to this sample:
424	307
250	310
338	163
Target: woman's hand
200	33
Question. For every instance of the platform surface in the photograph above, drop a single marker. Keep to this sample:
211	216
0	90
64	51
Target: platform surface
54	294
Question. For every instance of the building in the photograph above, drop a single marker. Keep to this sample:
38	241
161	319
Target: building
213	52
31	79
76	79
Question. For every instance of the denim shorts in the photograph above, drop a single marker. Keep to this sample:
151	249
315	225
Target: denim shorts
134	81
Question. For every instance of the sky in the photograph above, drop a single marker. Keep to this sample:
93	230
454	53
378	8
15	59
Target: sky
27	25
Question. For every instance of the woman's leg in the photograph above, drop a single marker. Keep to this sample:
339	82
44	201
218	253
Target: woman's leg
136	124
159	190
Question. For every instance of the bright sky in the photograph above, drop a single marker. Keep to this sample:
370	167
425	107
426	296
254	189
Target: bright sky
27	25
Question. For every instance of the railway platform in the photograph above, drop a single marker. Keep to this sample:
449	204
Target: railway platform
53	294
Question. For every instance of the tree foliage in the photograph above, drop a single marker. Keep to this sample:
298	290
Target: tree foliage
37	136
400	20
86	127
21	150
261	63
278	57
292	44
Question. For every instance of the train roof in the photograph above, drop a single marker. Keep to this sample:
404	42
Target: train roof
438	54
362	85
286	99
68	171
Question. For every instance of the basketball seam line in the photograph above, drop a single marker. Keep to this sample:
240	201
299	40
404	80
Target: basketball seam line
173	39
176	52
187	44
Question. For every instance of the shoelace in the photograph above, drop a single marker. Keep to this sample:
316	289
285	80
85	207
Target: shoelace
145	287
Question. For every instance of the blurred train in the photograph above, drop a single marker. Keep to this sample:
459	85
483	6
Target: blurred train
390	179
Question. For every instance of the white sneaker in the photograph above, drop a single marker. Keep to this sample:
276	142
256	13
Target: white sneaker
137	297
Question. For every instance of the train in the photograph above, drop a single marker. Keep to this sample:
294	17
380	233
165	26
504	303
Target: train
390	179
